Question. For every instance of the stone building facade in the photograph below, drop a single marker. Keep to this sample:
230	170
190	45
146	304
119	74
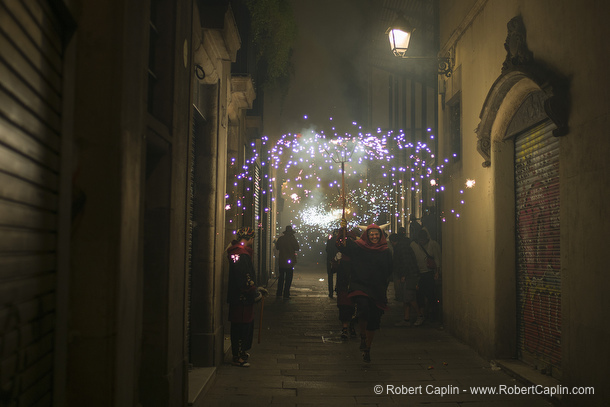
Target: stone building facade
523	264
116	119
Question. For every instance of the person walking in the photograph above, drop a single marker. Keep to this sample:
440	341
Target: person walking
402	231
342	265
242	294
287	246
398	286
406	272
331	252
428	255
370	275
414	227
428	222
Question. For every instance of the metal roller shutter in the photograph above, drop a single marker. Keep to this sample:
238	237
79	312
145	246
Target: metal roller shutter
198	126
31	62
538	255
256	191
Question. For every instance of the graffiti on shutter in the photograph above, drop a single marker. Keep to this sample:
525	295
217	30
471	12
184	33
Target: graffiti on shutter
538	255
256	190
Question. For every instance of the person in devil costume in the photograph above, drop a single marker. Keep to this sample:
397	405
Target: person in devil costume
242	294
370	275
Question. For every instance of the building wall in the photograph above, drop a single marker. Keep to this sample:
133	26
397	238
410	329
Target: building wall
96	238
125	347
567	39
217	42
98	102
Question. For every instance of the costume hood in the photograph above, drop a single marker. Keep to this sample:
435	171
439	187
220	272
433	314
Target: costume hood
366	244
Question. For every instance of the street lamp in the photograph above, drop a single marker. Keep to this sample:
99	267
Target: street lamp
399	35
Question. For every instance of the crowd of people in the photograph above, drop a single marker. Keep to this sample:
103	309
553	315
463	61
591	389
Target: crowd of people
364	263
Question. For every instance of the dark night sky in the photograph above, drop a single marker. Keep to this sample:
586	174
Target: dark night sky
330	63
326	69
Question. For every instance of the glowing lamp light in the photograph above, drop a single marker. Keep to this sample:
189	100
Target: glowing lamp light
470	183
399	35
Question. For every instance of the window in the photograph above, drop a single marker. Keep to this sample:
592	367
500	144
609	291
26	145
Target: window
455	129
160	68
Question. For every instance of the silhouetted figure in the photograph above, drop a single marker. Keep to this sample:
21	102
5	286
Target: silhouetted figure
406	272
331	252
342	264
428	221
428	255
287	247
414	227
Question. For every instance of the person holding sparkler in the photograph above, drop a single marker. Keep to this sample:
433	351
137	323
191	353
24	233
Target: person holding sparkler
242	294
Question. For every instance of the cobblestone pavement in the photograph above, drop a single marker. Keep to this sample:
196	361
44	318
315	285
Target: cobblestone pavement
301	361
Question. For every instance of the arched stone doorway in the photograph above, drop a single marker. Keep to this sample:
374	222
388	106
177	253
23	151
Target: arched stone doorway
525	98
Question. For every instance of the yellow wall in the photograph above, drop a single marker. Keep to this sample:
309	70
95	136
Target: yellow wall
568	38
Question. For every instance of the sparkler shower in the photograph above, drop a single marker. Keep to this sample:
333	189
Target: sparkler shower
383	172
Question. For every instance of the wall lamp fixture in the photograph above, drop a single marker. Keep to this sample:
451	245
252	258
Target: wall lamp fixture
399	34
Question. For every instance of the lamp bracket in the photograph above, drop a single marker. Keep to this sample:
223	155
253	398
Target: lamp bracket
445	64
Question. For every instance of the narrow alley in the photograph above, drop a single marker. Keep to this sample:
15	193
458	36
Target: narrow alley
301	361
138	137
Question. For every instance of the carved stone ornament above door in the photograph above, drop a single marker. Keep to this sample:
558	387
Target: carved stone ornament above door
526	76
